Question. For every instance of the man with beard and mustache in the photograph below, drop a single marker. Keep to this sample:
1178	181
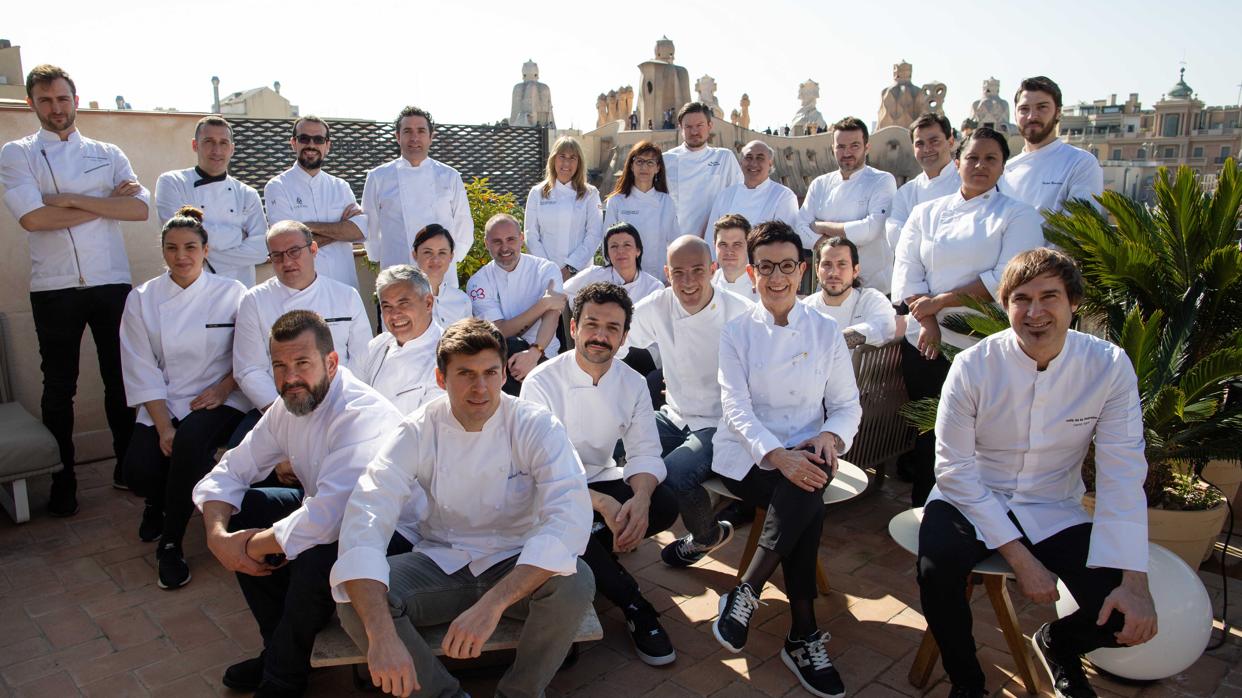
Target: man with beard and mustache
864	315
281	542
70	193
232	212
932	136
601	401
696	171
325	203
1048	171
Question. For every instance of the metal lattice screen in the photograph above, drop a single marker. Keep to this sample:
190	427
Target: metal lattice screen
511	157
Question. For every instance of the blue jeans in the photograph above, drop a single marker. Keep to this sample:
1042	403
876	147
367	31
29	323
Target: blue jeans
688	460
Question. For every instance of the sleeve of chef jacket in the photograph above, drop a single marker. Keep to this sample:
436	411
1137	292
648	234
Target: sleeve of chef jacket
842	408
462	227
898	214
252	369
359	335
909	274
530	219
144	379
1119	526
168	196
371	208
642	439
1023	232
253	247
739	412
879	320
251	461
593	233
563	522
1086	181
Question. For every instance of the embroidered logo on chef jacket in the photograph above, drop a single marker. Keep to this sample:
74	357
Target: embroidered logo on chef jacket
478	294
299	201
1080	421
630	213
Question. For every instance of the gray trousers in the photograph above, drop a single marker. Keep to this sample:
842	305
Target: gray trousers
420	593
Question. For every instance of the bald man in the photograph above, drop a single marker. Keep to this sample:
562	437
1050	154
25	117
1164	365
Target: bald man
758	197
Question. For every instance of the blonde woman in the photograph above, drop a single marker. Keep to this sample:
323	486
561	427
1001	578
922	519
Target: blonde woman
564	224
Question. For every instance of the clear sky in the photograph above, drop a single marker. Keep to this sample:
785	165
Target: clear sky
460	60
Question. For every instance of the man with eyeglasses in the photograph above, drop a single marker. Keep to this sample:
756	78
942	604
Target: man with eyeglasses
325	203
232	212
296	286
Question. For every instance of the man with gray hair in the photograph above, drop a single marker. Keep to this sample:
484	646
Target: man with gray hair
401	362
757	197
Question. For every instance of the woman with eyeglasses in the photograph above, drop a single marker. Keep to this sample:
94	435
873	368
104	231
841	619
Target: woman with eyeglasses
177	362
641	198
433	254
563	221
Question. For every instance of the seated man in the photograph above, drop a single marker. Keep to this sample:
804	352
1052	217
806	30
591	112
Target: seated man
401	362
600	401
731	261
1017	415
790	408
864	314
521	294
281	542
507	516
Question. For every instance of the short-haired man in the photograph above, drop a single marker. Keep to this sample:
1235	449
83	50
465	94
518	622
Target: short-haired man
601	401
697	171
757	197
231	210
70	193
507	516
729	240
401	361
296	286
853	202
1018	413
281	542
1048	171
325	203
522	294
405	195
864	314
932	136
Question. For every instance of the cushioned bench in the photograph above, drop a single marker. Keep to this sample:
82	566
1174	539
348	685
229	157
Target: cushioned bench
27	448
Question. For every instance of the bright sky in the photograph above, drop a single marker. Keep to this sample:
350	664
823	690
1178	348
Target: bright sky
460	60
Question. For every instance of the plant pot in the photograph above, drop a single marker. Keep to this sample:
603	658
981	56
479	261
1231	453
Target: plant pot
1227	475
1189	534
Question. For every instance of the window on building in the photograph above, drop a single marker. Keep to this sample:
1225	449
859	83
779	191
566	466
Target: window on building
1129	128
1116	154
1225	151
1170	151
1197	152
1172	125
1142	154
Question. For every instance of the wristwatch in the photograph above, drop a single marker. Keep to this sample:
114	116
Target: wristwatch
537	347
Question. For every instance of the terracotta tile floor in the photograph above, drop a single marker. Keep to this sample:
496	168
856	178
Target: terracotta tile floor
80	614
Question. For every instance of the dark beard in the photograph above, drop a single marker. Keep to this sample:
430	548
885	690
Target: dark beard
304	406
1043	135
307	163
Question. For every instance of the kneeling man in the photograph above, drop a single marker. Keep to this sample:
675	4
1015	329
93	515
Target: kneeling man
1018	413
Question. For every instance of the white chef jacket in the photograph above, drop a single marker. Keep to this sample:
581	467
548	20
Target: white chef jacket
1011	438
643	285
496	294
451	305
689	349
915	192
865	310
90	254
780	386
400	200
654	214
742	285
405	374
949	242
862	203
339	305
595	416
232	216
514	488
296	195
694	179
1056	172
177	342
564	228
770	201
328	449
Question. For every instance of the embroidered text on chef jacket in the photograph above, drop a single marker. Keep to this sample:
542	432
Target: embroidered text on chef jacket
1047	177
298	196
865	310
496	294
694	180
862	203
915	192
770	201
404	374
654	215
563	228
643	285
232	216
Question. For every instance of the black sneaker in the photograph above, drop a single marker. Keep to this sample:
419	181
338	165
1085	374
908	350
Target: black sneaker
270	689
173	572
245	676
152	524
118	478
808	660
651	642
684	552
733	624
64	499
1068	678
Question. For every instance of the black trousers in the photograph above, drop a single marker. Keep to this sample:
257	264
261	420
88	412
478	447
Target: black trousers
923	379
949	549
514	345
792	527
60	318
168	481
611	578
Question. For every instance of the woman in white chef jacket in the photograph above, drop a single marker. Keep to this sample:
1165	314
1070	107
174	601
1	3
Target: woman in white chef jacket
563	219
433	254
177	361
641	198
955	246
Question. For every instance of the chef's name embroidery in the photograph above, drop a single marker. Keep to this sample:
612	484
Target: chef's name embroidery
1080	421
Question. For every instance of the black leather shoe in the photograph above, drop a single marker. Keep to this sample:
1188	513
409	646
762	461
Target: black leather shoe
64	499
245	676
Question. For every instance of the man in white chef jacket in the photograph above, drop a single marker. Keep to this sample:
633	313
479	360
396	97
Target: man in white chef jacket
864	315
70	193
729	242
325	203
522	294
507	516
853	202
697	171
232	212
1048	171
281	542
757	197
1018	413
405	195
932	136
296	286
601	401
401	361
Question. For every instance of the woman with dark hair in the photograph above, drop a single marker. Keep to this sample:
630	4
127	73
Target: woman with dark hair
177	361
562	212
433	254
641	199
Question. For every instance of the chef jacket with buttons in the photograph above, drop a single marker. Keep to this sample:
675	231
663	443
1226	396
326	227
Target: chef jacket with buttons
742	285
915	192
496	294
654	215
1012	438
862	203
562	227
1047	177
297	195
865	311
770	201
405	374
451	305
643	285
232	216
695	177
